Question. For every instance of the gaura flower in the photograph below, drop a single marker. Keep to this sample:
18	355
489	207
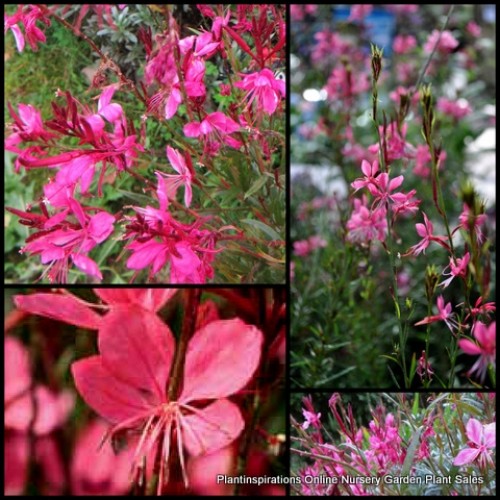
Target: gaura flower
184	176
482	438
221	358
485	347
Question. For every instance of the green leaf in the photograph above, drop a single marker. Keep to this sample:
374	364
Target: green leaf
410	455
273	235
256	186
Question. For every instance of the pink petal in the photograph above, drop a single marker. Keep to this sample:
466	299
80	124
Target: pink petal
16	458
110	472
162	192
16	368
366	168
110	397
219	424
87	265
152	299
466	456
172	104
188	194
221	359
131	336
176	160
192	129
396	182
489	431
469	347
100	226
60	307
51	411
18	36
146	254
474	431
268	100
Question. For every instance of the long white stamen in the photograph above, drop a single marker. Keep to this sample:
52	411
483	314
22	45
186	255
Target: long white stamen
178	418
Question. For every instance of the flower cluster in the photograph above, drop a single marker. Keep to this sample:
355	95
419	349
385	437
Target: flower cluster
90	147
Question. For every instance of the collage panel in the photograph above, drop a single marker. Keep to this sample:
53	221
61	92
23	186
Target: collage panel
145	391
155	153
393	444
392	216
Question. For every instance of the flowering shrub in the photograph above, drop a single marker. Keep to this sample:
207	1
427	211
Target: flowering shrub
205	390
204	117
400	292
401	445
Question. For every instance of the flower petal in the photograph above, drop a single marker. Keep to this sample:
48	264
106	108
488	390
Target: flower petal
469	347
490	439
105	394
152	299
466	456
474	431
132	337
212	428
221	359
16	368
65	308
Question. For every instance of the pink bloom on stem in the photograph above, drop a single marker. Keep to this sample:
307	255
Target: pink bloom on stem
444	314
473	29
445	41
425	231
313	419
263	87
95	468
370	171
111	111
28	15
471	223
458	268
215	124
221	359
482	439
394	145
366	225
485	347
184	177
404	43
456	109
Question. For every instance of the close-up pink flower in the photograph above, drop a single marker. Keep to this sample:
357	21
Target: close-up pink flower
220	360
482	439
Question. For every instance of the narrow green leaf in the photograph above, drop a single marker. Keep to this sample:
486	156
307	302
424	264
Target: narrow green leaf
256	186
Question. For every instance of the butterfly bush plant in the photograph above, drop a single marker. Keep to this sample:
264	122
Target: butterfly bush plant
176	387
170	171
395	444
393	276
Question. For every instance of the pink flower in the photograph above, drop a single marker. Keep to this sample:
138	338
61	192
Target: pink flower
28	15
425	231
473	29
485	347
366	225
445	41
160	239
95	468
456	269
313	419
456	109
404	43
213	123
370	171
444	314
263	87
221	359
482	438
471	223
394	143
172	181
62	240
